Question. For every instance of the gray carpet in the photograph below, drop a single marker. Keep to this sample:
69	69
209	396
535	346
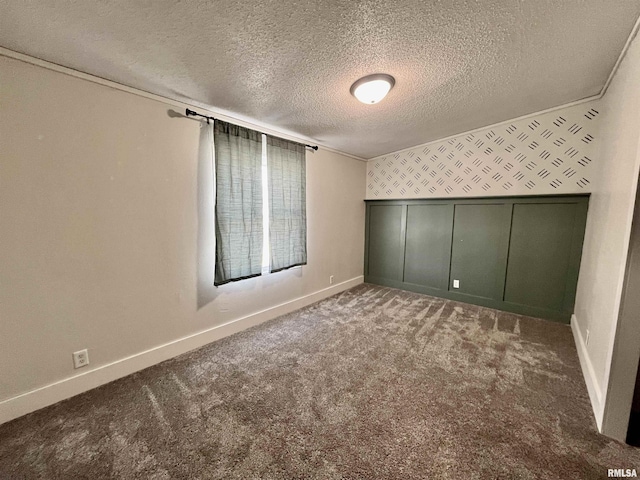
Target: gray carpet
373	383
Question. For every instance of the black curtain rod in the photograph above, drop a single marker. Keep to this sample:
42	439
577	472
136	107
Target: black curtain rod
193	113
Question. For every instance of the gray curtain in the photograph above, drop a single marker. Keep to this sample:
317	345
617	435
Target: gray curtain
238	212
286	164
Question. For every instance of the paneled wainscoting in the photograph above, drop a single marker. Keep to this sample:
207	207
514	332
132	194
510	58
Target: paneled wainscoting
519	254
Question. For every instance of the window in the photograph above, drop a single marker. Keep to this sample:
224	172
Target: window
260	212
266	260
287	203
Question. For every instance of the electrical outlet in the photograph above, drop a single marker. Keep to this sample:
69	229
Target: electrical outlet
330	279
224	305
456	284
81	358
586	340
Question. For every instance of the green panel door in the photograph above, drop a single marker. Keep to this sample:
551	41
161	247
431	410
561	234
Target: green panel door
386	242
540	253
428	245
479	250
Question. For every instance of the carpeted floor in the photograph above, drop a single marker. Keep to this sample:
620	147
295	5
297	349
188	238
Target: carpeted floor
373	383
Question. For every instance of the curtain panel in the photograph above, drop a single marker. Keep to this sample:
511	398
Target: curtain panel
238	210
286	164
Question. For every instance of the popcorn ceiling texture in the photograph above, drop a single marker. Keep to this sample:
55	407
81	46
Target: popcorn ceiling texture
551	153
459	65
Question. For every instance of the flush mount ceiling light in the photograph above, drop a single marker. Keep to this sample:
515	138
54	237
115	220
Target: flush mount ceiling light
372	88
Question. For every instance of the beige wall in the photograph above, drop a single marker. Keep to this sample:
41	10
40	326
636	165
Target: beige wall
106	238
626	351
608	226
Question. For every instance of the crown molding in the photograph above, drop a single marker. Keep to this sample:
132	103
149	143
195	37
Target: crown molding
493	125
221	114
616	66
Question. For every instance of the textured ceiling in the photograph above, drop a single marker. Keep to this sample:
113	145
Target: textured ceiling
458	64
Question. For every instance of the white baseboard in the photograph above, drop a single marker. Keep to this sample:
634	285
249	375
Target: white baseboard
589	374
49	394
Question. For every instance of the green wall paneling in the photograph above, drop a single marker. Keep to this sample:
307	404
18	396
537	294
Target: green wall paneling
519	254
539	254
479	250
386	241
428	245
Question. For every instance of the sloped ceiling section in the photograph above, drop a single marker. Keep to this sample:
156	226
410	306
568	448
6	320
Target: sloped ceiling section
458	65
551	153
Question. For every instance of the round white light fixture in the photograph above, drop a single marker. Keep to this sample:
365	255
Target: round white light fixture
372	88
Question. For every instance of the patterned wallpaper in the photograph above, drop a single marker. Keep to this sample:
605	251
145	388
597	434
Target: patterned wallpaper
550	153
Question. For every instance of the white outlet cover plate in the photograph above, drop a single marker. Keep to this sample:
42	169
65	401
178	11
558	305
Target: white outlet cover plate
456	284
81	358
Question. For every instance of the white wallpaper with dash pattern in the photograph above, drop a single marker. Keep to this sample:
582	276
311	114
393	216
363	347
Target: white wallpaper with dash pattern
550	153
